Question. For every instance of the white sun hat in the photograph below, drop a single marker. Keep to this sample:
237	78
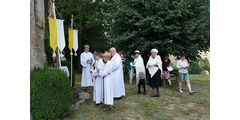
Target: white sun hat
137	51
154	50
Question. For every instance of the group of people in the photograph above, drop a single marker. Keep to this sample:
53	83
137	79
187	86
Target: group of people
159	70
105	73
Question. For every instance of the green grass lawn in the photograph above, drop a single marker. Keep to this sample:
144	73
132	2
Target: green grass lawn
170	106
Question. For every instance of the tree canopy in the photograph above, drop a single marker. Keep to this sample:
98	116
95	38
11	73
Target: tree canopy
89	20
171	26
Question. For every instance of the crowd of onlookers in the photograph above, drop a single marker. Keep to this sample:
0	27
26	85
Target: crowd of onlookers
166	67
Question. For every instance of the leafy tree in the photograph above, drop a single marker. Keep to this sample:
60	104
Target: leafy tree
89	20
171	26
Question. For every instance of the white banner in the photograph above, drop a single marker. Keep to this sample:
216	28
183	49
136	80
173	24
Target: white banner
60	35
75	40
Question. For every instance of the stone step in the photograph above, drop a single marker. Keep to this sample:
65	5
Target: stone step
80	98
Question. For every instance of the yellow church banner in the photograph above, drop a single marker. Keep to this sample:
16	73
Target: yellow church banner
70	38
53	33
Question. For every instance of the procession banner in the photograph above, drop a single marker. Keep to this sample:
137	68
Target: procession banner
70	38
53	33
75	40
60	35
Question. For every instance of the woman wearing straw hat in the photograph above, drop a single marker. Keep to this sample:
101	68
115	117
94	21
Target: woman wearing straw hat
138	64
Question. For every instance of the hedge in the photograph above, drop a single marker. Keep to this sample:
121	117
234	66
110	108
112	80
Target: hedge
50	94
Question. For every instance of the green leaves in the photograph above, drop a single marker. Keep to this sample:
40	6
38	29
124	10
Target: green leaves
50	94
170	26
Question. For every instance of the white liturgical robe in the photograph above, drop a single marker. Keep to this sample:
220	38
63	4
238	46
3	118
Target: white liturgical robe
97	91
87	77
117	76
105	72
139	66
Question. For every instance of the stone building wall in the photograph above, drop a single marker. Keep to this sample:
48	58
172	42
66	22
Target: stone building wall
37	27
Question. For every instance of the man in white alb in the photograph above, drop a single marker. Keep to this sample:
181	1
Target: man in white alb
87	65
117	74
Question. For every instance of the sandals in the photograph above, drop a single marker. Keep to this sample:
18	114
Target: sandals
108	108
111	107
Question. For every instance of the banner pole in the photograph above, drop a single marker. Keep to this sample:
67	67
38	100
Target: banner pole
71	51
58	63
54	13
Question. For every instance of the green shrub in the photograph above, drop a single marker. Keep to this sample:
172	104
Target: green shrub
194	68
68	64
50	94
205	65
46	65
48	49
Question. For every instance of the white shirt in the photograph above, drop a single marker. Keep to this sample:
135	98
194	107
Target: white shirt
180	64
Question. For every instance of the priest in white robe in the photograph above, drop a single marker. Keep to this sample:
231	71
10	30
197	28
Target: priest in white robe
87	65
106	73
139	66
98	81
117	74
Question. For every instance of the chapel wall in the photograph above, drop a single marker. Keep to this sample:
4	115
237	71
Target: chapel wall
37	28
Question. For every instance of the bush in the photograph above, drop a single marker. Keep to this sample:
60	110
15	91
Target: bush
48	49
205	65
46	65
50	94
194	68
68	64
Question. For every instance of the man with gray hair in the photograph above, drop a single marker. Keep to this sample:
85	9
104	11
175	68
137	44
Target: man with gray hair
117	74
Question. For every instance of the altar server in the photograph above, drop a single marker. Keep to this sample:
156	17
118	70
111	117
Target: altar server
105	73
117	74
87	65
138	64
97	91
154	66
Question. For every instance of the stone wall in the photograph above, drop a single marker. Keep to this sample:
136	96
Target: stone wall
37	26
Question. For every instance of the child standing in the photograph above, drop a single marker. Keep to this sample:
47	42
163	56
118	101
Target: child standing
105	73
97	91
